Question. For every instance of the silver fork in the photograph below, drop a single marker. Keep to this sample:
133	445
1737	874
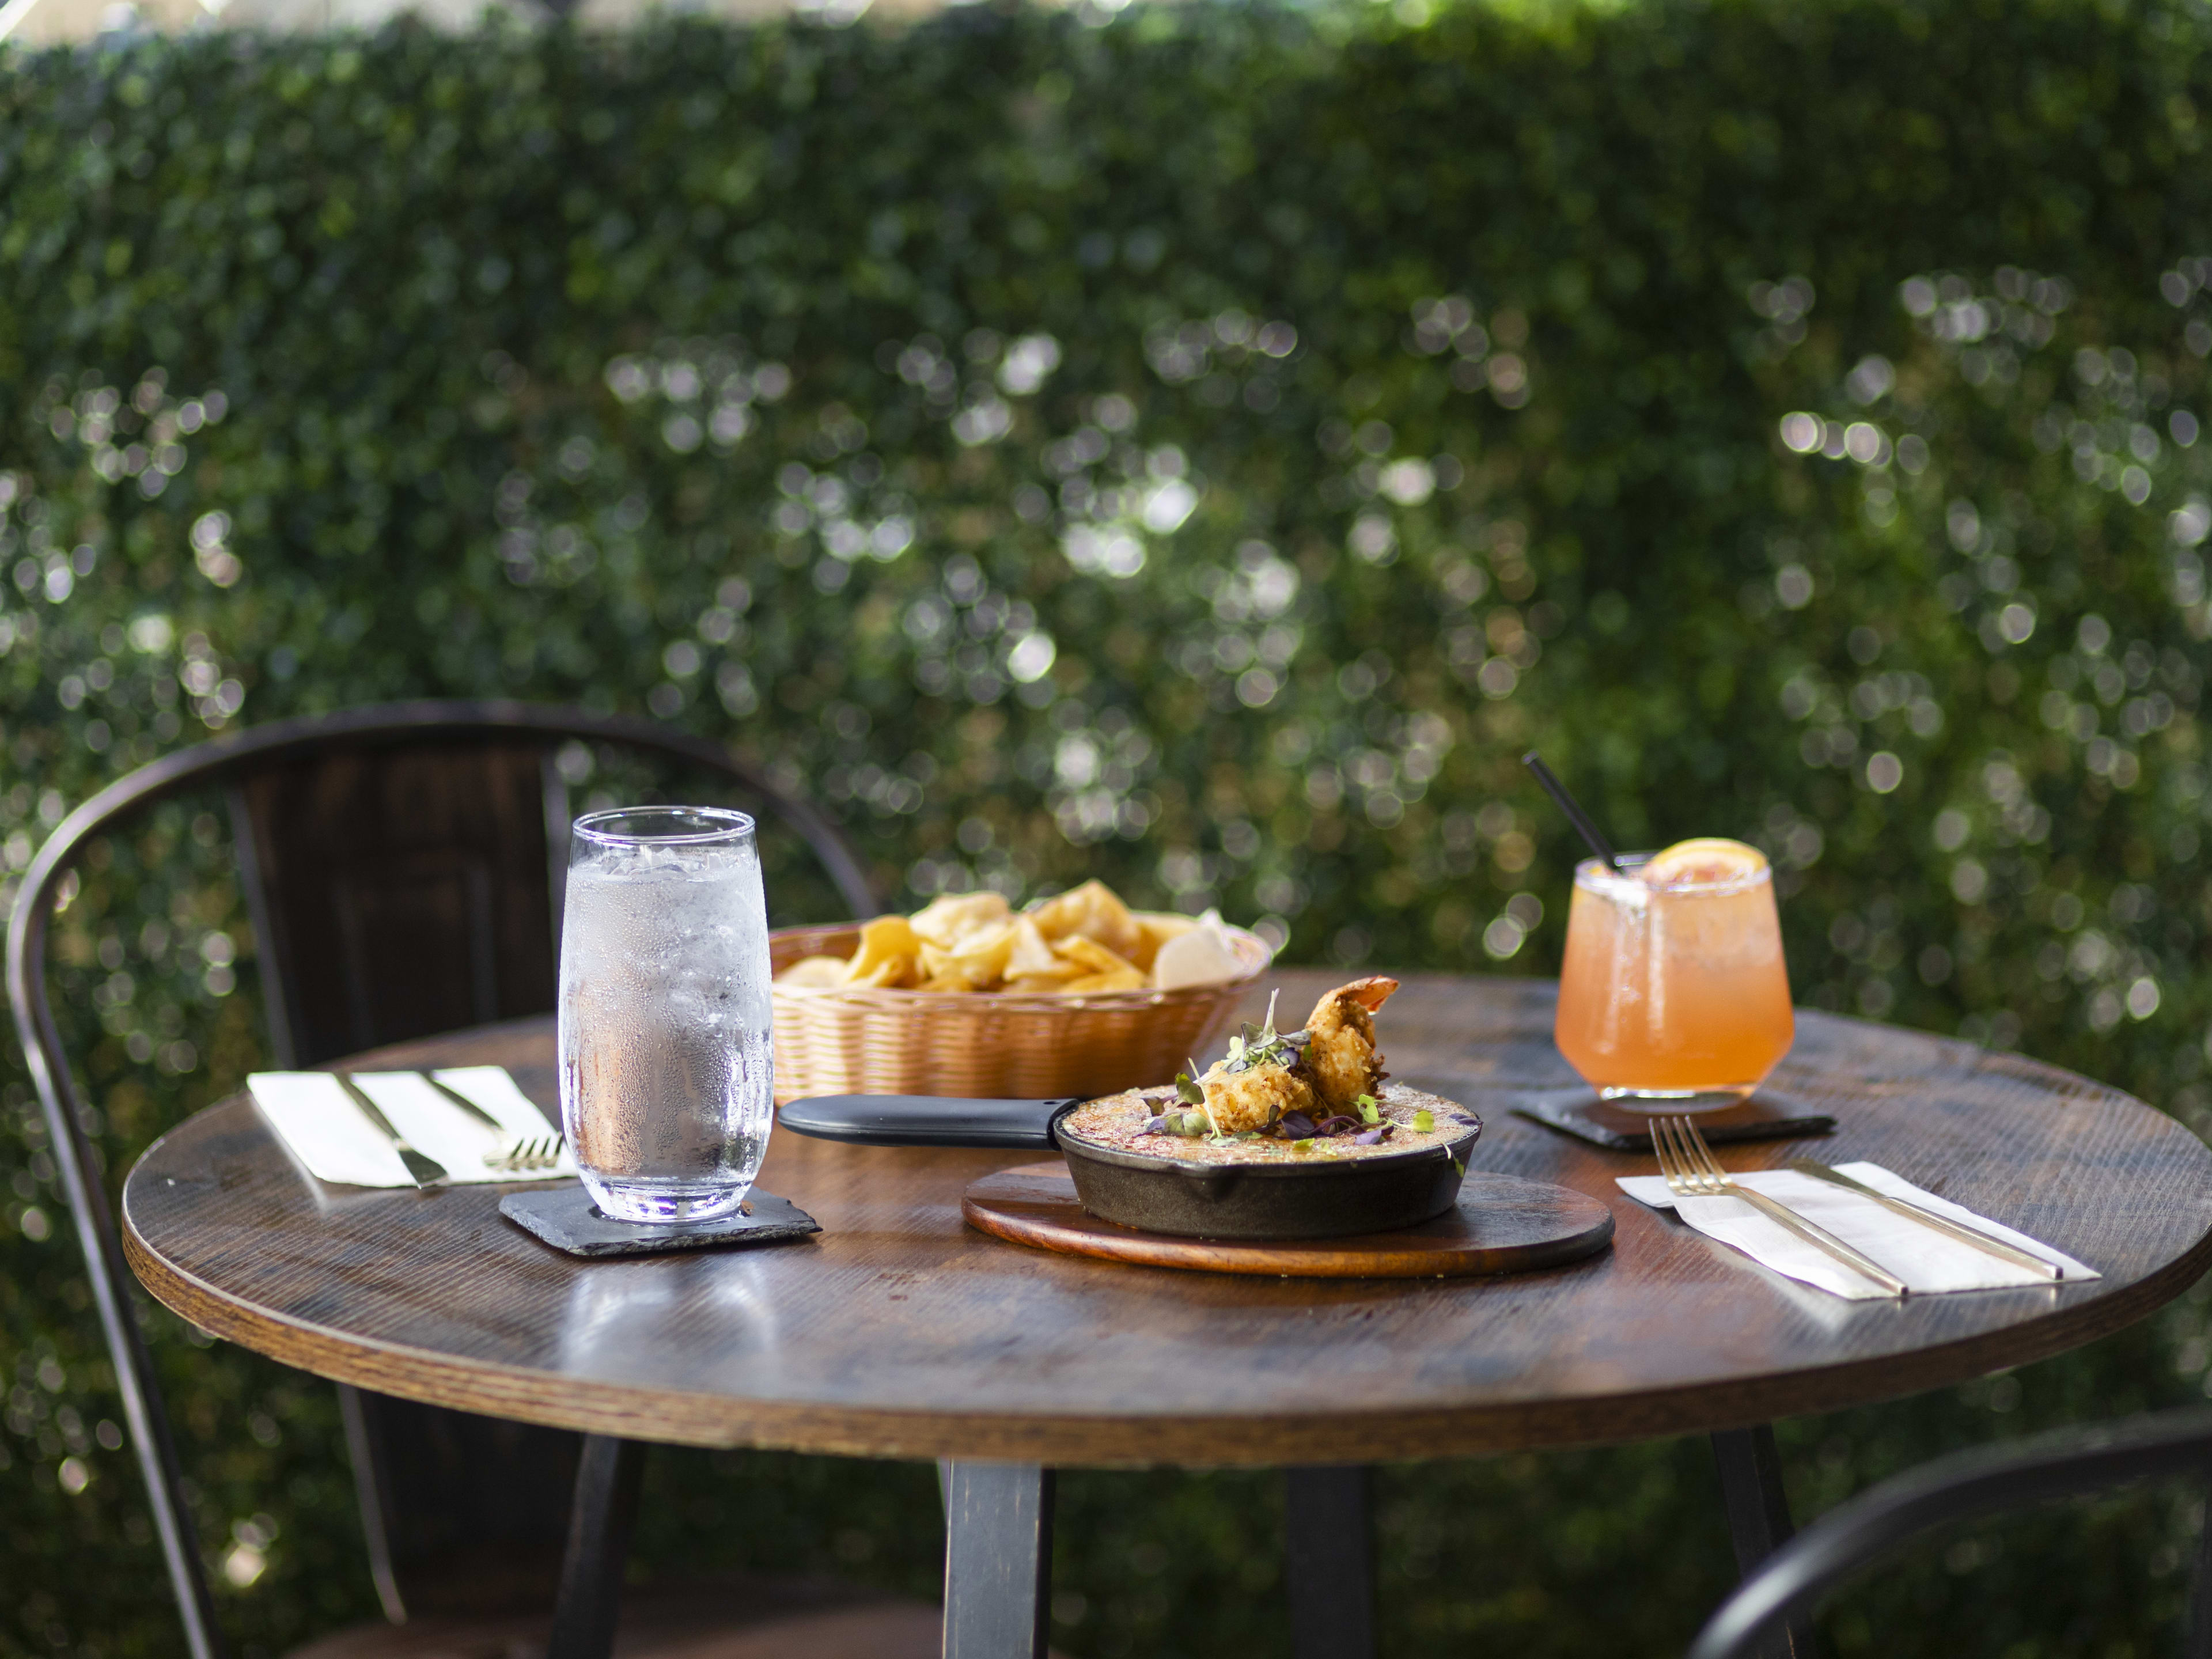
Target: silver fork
1692	1171
543	1153
513	1153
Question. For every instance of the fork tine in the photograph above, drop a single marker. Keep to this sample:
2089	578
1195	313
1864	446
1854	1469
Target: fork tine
1694	1177
1703	1152
1664	1152
1716	1175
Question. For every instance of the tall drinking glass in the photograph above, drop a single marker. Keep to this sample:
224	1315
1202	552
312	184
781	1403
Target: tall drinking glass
1674	995
666	1066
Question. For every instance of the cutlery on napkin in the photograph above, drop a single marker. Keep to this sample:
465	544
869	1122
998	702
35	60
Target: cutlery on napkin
326	1130
1930	1262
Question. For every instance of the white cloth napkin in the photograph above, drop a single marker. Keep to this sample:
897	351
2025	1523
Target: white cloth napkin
326	1131
1927	1261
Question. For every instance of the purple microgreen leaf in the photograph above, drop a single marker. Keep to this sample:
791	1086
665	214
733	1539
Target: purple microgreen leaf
1372	1137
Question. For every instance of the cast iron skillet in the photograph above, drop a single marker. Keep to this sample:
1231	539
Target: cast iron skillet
1161	1195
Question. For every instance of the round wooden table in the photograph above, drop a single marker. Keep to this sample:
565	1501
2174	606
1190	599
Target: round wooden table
899	1332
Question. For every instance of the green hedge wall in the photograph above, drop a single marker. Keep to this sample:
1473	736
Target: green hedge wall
1202	447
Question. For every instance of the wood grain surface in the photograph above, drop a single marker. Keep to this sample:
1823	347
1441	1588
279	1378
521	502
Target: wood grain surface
1502	1225
902	1332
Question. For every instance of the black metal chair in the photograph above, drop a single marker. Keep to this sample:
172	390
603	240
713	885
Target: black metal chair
2072	1462
402	866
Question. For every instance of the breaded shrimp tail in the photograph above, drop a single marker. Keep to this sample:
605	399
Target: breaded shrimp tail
1342	1056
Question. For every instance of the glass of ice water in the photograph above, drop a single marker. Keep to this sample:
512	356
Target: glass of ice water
666	1067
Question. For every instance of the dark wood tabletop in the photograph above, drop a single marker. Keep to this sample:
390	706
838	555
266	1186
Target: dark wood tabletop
899	1332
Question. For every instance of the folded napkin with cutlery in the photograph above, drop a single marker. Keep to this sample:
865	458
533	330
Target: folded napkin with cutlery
327	1130
1928	1261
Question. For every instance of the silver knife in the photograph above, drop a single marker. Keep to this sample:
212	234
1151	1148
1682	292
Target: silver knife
426	1172
1942	1223
513	1153
455	1098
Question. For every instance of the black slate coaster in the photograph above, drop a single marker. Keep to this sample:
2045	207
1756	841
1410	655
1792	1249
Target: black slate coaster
565	1217
1580	1113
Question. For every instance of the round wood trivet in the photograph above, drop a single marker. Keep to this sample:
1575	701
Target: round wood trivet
1503	1224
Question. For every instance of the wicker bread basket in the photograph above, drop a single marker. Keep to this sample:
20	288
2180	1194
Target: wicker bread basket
990	1045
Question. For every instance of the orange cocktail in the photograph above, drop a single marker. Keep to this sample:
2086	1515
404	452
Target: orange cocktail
1674	985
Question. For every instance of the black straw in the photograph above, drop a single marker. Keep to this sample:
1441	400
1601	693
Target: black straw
1573	808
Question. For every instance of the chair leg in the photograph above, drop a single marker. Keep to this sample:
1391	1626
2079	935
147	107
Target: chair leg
997	1560
1758	1517
2197	1641
1330	1562
599	1542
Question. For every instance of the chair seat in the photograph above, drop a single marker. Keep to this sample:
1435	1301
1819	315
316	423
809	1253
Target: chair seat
733	1619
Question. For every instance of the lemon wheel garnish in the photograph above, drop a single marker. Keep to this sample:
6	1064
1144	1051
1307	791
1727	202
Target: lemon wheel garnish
1708	861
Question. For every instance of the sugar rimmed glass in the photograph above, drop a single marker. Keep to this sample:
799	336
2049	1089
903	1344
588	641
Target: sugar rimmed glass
1674	996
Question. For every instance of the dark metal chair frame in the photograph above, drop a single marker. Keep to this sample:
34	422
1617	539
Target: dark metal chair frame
2071	1462
607	1478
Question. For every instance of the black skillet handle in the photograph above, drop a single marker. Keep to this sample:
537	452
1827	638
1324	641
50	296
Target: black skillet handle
924	1121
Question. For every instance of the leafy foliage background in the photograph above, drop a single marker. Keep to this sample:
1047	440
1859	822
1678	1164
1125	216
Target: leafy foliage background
1204	447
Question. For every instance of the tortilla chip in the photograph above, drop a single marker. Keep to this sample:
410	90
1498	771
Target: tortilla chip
1092	956
888	954
1093	910
813	974
948	982
1037	985
978	960
1032	957
955	917
1123	979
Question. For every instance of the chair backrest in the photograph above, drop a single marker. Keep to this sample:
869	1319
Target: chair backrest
403	865
359	855
2071	1462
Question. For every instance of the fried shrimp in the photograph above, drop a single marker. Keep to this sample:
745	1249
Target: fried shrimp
1253	1099
1340	1056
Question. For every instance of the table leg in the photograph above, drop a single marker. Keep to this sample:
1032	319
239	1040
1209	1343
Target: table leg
1329	1562
599	1543
1758	1517
997	1560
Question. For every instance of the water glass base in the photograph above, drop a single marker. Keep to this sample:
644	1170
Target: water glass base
662	1202
1657	1100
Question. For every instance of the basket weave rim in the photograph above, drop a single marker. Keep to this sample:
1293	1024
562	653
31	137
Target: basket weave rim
1257	953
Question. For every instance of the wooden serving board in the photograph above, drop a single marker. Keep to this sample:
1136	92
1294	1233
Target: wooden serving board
1503	1224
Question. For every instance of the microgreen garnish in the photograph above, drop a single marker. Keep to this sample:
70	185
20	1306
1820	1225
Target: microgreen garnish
1424	1120
1187	1086
1370	1112
1263	1045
